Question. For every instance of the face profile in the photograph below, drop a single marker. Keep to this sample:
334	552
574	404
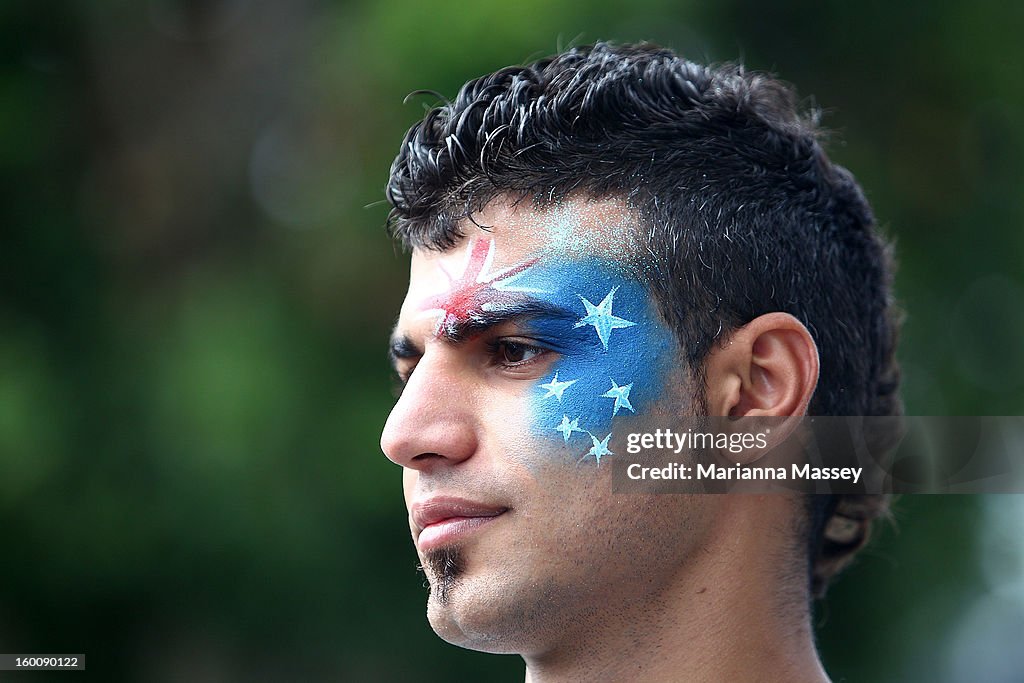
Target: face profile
605	243
511	400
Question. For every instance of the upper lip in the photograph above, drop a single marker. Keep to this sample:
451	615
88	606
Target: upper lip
440	508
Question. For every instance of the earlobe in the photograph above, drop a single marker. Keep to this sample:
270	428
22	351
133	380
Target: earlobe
768	367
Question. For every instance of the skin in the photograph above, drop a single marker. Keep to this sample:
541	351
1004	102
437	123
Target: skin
582	583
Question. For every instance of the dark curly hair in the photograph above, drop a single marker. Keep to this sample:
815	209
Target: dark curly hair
742	213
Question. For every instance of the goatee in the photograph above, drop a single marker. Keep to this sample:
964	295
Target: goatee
443	568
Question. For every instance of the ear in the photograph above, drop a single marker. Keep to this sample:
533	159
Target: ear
768	367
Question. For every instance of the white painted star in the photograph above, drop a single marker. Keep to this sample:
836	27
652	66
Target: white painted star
600	448
621	396
601	318
556	388
567	427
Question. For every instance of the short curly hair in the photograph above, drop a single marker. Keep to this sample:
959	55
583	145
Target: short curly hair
742	213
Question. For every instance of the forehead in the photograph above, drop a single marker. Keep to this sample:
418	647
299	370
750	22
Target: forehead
570	230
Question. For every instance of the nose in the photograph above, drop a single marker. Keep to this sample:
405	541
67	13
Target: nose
433	424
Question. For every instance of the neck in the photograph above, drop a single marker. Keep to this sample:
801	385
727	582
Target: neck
726	619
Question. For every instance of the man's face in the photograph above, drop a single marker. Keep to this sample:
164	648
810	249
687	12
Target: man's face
529	352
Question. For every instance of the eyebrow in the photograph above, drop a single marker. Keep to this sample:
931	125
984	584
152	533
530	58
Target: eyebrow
402	346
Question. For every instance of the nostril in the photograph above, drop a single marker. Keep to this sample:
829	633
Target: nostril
426	456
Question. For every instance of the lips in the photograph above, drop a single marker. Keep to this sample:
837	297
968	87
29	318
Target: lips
442	521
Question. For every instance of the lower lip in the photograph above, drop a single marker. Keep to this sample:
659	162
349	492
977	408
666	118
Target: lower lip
449	531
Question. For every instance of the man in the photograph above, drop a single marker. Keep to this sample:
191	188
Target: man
604	242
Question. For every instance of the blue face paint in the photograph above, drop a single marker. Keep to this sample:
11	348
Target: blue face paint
615	353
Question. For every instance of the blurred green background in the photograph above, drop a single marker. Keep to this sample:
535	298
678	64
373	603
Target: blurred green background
197	291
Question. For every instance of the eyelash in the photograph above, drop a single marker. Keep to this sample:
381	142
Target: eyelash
497	345
494	348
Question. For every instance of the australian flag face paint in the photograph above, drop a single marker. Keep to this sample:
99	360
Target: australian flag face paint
613	351
478	290
614	354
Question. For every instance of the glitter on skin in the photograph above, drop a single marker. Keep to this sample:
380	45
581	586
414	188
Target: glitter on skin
569	226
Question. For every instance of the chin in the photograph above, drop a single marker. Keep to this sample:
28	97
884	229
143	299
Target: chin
478	619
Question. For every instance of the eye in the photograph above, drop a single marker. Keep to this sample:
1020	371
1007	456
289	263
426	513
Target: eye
516	353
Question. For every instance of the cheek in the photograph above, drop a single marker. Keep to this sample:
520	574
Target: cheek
511	426
593	393
529	442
